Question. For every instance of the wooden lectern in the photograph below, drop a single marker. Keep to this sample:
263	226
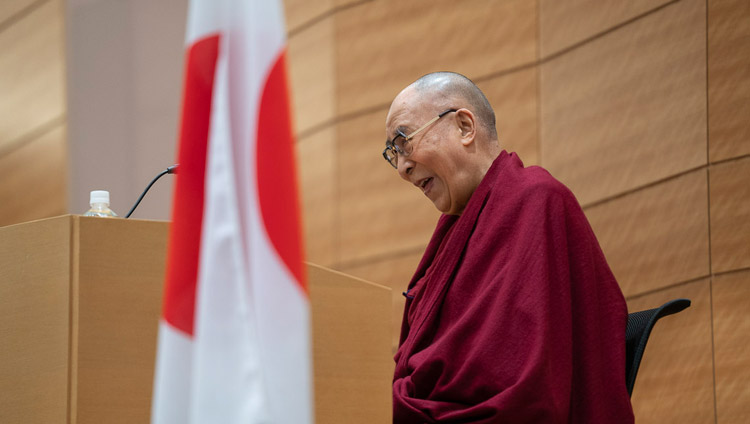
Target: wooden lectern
80	300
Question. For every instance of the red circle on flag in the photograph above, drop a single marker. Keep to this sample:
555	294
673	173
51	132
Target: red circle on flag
277	180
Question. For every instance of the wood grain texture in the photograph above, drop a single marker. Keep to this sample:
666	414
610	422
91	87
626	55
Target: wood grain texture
656	236
299	12
118	284
731	301
675	380
317	166
379	213
628	108
34	321
382	46
565	23
730	215
728	78
312	75
9	8
394	272
33	179
353	368
514	98
31	73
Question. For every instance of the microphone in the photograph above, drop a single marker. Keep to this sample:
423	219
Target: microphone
171	170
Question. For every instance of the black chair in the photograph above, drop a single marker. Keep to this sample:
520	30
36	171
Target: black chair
637	332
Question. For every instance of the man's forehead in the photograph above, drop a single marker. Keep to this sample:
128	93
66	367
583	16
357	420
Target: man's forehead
405	107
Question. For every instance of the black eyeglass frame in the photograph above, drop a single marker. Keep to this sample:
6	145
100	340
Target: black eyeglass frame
392	148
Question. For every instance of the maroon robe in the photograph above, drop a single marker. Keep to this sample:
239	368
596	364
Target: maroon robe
513	315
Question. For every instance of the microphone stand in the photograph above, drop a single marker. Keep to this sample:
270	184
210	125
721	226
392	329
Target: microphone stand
171	170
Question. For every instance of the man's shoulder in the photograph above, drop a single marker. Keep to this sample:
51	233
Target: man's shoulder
537	183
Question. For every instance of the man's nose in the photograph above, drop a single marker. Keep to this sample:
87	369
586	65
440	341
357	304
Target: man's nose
405	167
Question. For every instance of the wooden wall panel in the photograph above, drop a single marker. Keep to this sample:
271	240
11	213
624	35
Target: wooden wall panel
316	158
731	301
656	236
514	98
379	213
33	179
565	23
385	45
299	12
730	215
628	108
675	380
312	75
728	78
394	272
31	73
8	8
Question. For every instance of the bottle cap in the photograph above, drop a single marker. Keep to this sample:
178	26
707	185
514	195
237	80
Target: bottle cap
99	196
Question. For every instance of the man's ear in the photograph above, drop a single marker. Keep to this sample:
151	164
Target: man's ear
467	124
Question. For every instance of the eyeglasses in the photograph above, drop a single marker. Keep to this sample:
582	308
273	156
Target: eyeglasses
400	144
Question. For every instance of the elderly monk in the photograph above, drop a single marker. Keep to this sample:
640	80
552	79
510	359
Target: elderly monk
513	315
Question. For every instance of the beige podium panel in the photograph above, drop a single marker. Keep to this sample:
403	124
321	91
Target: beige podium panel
80	300
353	367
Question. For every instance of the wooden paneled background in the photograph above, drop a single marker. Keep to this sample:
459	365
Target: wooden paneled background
33	146
641	107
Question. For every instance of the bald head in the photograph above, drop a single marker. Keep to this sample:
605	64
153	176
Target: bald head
454	86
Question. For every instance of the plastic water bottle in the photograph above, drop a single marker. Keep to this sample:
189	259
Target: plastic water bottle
100	205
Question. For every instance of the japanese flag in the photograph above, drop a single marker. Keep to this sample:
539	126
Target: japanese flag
234	336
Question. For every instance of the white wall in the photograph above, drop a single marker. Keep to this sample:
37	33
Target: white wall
124	74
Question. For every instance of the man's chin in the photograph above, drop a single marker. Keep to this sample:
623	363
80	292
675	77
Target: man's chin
451	209
442	206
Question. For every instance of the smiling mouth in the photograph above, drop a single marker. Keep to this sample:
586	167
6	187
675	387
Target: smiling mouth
425	184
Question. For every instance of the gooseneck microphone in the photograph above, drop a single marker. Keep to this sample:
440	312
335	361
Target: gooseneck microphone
171	170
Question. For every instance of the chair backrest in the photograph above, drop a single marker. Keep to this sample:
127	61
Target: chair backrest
638	331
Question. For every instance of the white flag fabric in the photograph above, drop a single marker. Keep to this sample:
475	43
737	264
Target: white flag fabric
234	336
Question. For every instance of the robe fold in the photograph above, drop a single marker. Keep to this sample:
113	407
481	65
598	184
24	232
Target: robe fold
513	315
